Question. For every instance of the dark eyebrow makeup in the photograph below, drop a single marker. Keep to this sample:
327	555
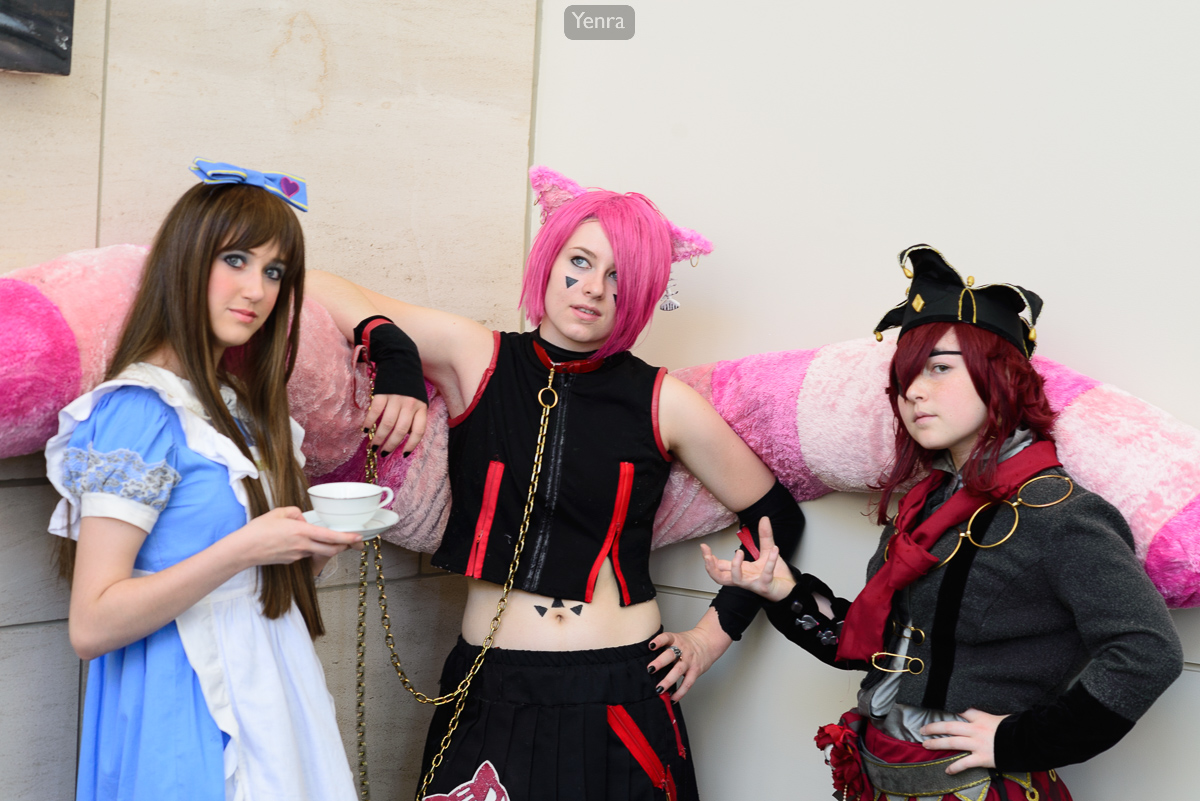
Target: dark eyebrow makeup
933	353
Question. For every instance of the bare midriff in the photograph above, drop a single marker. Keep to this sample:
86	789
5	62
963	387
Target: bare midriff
538	623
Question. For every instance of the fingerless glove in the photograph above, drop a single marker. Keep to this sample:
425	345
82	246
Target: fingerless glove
736	607
397	361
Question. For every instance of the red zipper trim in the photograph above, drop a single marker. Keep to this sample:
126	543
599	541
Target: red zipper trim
624	490
487	513
748	541
629	733
666	699
620	510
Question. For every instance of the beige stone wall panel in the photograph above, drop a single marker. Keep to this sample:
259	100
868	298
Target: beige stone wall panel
39	693
31	465
397	563
30	590
410	122
426	613
50	151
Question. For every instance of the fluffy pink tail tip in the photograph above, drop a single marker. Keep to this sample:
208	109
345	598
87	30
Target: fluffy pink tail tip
40	371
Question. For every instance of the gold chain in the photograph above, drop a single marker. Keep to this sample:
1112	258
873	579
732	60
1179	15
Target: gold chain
360	707
459	695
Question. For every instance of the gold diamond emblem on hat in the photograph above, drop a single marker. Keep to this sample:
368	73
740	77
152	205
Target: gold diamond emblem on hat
918	304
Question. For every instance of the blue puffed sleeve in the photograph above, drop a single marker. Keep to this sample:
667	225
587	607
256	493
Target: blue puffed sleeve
120	461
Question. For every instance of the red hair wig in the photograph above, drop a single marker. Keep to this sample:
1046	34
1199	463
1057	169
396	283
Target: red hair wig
1006	382
641	243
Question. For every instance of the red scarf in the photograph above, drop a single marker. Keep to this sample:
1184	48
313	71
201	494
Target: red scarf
908	556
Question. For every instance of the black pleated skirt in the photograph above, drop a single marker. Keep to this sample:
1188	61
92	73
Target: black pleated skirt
540	720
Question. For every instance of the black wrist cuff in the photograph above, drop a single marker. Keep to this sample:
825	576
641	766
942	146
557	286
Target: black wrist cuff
1074	728
397	361
735	606
800	619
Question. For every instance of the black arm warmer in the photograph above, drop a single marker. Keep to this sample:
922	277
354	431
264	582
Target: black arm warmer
397	362
735	606
1074	728
800	620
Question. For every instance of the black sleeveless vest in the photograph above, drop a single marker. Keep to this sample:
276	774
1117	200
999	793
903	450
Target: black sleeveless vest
603	473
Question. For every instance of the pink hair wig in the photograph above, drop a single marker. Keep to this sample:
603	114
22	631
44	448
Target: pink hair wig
642	251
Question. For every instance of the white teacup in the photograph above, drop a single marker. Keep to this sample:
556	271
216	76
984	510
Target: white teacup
348	505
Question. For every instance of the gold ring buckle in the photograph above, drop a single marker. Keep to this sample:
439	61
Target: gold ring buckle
1031	794
962	535
908	666
1004	539
553	402
907	633
1070	489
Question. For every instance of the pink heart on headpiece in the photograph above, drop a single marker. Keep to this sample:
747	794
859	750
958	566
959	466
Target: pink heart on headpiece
288	186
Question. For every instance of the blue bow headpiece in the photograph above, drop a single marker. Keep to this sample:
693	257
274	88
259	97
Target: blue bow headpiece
292	189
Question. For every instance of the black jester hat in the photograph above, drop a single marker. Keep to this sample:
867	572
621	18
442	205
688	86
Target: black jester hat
939	294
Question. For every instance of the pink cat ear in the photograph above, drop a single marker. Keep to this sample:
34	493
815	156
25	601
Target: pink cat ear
687	244
553	189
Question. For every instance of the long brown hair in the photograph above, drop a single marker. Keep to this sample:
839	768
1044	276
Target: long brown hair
171	309
1010	388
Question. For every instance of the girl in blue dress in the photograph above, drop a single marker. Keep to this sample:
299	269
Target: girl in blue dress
193	593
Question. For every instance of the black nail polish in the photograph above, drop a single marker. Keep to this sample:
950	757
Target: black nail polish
406	454
374	449
653	647
658	690
650	670
366	431
384	454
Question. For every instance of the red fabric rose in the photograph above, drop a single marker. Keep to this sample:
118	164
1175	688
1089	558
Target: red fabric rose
844	759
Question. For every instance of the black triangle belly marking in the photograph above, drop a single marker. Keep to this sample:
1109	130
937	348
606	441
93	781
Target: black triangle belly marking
558	604
571	281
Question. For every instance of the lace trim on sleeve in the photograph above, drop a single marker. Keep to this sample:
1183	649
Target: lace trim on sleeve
121	473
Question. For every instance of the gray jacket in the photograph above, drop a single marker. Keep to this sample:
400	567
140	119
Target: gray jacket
1058	627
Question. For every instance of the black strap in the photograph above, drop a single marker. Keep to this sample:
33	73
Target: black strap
998	783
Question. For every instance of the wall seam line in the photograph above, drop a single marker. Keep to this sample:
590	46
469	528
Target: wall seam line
537	62
103	119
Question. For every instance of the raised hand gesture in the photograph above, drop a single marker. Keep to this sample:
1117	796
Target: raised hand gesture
767	576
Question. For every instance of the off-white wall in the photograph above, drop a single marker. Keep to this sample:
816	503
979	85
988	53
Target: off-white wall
1049	145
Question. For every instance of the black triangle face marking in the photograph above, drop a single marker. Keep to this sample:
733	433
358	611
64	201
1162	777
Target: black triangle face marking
571	281
578	610
541	610
614	298
558	603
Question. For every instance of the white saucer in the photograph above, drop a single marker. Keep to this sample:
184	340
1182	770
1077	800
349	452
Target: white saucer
383	520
